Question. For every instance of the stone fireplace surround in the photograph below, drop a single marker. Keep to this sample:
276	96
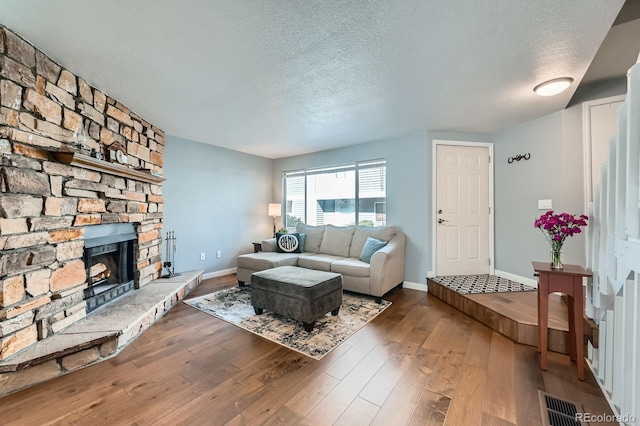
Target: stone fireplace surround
51	188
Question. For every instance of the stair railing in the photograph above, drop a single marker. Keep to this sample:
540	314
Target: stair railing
613	294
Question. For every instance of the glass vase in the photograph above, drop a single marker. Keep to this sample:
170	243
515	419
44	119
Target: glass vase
556	256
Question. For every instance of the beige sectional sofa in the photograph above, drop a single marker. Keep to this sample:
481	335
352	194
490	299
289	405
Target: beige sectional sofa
337	249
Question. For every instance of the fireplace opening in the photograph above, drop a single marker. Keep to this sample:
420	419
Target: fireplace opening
108	259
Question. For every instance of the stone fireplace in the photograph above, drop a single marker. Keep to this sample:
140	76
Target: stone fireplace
57	191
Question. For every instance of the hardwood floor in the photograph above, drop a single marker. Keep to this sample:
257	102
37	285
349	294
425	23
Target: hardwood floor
420	362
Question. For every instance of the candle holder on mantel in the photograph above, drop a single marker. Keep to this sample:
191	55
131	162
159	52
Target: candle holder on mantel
171	246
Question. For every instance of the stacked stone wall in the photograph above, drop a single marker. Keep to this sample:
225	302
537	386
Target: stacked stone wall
45	204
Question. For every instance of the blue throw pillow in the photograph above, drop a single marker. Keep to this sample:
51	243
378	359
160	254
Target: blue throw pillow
288	243
371	246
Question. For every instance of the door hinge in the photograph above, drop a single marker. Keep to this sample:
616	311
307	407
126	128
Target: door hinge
489	261
489	158
489	209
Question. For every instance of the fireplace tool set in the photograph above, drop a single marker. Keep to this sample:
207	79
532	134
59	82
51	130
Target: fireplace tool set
170	240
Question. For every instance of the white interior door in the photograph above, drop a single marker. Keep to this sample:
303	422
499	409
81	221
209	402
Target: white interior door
462	210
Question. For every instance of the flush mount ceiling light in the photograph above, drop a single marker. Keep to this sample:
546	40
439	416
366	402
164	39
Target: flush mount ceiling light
553	87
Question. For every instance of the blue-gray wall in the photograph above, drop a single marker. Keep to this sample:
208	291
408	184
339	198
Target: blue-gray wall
409	177
215	199
554	171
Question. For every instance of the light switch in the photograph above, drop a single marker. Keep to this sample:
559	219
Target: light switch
544	204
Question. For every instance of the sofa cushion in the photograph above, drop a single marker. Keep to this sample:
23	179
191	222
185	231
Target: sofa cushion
371	246
319	262
336	240
269	245
266	260
351	267
288	243
313	236
382	233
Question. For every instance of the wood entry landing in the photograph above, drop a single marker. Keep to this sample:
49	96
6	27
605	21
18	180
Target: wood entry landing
514	315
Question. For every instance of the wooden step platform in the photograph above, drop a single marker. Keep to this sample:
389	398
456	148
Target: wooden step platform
514	315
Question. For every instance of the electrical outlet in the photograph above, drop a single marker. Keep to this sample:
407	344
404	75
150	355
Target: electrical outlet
218	254
202	256
544	205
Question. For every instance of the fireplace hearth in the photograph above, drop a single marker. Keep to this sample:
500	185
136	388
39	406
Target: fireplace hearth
109	261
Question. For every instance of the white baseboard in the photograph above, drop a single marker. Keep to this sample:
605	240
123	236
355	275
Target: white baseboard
517	278
603	389
407	284
415	286
216	274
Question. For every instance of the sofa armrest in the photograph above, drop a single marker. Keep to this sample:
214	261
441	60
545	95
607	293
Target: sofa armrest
387	266
269	245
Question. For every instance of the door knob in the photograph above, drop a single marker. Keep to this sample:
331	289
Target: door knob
442	220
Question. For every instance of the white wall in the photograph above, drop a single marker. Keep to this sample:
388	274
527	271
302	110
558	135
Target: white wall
215	199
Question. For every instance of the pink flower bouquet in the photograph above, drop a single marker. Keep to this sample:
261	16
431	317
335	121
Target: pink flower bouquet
556	228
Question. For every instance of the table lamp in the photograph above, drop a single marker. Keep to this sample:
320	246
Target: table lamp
275	210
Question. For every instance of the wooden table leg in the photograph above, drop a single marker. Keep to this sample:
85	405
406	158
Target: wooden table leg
539	316
571	337
543	307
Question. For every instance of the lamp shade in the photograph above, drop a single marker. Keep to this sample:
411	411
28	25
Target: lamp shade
275	209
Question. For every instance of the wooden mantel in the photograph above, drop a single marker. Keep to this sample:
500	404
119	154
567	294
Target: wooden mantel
88	162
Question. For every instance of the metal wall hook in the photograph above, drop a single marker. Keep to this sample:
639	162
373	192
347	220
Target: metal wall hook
519	157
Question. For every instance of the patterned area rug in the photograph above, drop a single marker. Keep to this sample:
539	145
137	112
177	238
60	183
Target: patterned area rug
234	306
475	284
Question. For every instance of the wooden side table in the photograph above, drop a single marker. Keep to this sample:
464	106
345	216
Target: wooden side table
567	280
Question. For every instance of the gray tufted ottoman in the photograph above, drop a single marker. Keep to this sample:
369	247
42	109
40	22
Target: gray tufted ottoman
298	293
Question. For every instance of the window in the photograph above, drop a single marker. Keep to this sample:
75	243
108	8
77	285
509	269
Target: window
340	195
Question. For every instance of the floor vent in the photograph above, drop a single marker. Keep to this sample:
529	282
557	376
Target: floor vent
558	412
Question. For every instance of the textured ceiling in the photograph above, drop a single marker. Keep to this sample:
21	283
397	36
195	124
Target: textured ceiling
279	78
